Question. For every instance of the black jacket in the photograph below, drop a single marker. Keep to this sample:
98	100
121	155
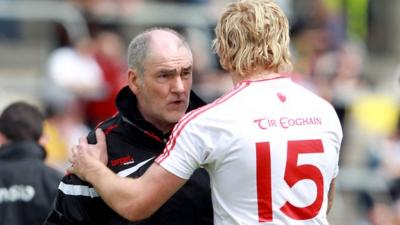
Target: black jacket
27	185
132	144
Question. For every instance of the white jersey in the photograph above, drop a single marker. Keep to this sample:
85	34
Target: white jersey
271	148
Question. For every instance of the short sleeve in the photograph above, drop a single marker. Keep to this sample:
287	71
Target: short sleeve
339	139
184	150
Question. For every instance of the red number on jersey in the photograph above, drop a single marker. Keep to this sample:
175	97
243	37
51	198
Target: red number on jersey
293	174
264	195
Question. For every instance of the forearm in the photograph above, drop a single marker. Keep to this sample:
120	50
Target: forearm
134	199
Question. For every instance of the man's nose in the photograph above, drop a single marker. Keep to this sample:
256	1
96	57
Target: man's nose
179	85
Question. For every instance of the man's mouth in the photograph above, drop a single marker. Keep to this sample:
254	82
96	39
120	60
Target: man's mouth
177	103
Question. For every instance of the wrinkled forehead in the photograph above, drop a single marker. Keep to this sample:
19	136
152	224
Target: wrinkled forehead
169	56
167	51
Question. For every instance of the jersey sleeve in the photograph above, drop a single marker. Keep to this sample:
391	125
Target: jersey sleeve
185	150
338	136
336	168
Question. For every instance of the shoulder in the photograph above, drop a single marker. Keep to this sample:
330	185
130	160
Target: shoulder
310	97
220	103
107	126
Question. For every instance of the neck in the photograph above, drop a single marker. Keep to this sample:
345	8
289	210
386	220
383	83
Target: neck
257	75
163	126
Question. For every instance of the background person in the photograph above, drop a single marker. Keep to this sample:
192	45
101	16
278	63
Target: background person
27	185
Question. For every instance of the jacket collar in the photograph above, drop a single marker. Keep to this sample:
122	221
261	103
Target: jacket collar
126	103
22	149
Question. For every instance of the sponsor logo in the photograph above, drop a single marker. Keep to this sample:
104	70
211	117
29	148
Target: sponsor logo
126	160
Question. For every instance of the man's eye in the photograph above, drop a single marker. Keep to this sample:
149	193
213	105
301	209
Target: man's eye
187	73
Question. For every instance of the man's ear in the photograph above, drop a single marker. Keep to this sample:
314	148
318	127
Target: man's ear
3	139
44	139
134	81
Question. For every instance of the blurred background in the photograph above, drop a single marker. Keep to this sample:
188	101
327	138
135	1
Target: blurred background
68	57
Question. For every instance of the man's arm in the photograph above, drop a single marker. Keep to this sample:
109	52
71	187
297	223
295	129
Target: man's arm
331	194
134	199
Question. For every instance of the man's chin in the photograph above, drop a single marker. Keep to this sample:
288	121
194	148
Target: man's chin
174	117
177	109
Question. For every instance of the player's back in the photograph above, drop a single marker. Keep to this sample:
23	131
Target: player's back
273	151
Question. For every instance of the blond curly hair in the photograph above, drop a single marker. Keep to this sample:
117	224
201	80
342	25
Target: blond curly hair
253	35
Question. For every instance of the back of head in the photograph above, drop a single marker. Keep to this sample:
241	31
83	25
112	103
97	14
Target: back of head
253	35
140	46
21	121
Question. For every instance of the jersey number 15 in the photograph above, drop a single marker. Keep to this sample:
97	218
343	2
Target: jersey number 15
293	174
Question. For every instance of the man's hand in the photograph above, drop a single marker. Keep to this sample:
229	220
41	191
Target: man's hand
87	158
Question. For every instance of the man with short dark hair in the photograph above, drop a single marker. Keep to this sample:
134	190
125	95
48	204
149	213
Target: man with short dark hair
27	185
